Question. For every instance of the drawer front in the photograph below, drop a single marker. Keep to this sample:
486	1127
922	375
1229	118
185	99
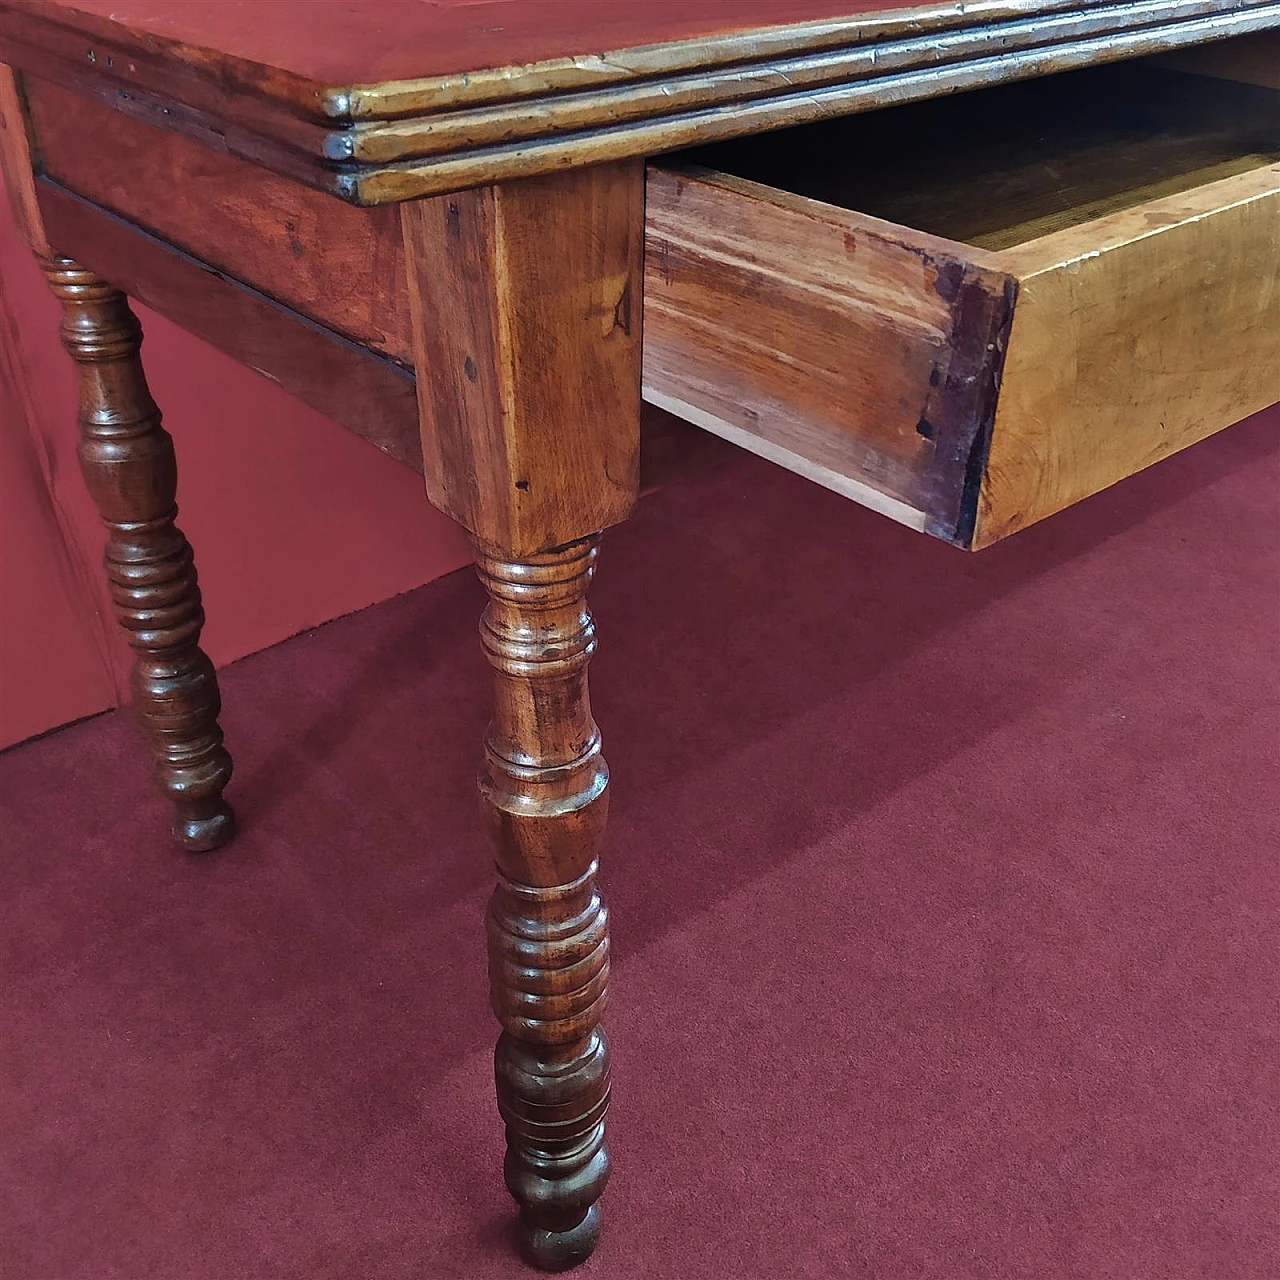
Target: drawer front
1063	319
1134	337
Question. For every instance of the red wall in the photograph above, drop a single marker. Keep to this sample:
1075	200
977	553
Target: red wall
294	520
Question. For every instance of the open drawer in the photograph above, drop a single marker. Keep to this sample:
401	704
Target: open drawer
1045	288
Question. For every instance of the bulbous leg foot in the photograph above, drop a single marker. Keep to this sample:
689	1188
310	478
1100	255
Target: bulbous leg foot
560	1250
205	833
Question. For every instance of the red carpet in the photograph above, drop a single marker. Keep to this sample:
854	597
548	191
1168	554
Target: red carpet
946	893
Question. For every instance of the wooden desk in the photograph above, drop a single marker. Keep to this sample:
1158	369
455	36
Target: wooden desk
435	222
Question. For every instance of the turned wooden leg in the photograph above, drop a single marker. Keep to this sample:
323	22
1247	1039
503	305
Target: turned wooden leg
544	791
127	460
526	301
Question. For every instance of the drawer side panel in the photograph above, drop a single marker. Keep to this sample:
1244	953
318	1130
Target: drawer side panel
842	347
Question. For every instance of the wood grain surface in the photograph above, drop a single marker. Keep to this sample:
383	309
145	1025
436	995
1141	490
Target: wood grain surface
844	347
419	134
366	392
1135	336
339	265
1125	218
395	100
534	145
530	396
333	42
530	408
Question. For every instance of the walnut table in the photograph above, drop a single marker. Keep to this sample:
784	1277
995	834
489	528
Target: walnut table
1005	253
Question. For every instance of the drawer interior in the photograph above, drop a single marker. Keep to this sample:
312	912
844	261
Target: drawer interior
971	312
1003	166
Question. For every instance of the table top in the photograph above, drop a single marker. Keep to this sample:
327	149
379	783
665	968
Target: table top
385	100
366	41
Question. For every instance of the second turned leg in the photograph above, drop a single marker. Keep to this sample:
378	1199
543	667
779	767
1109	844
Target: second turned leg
128	464
544	790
